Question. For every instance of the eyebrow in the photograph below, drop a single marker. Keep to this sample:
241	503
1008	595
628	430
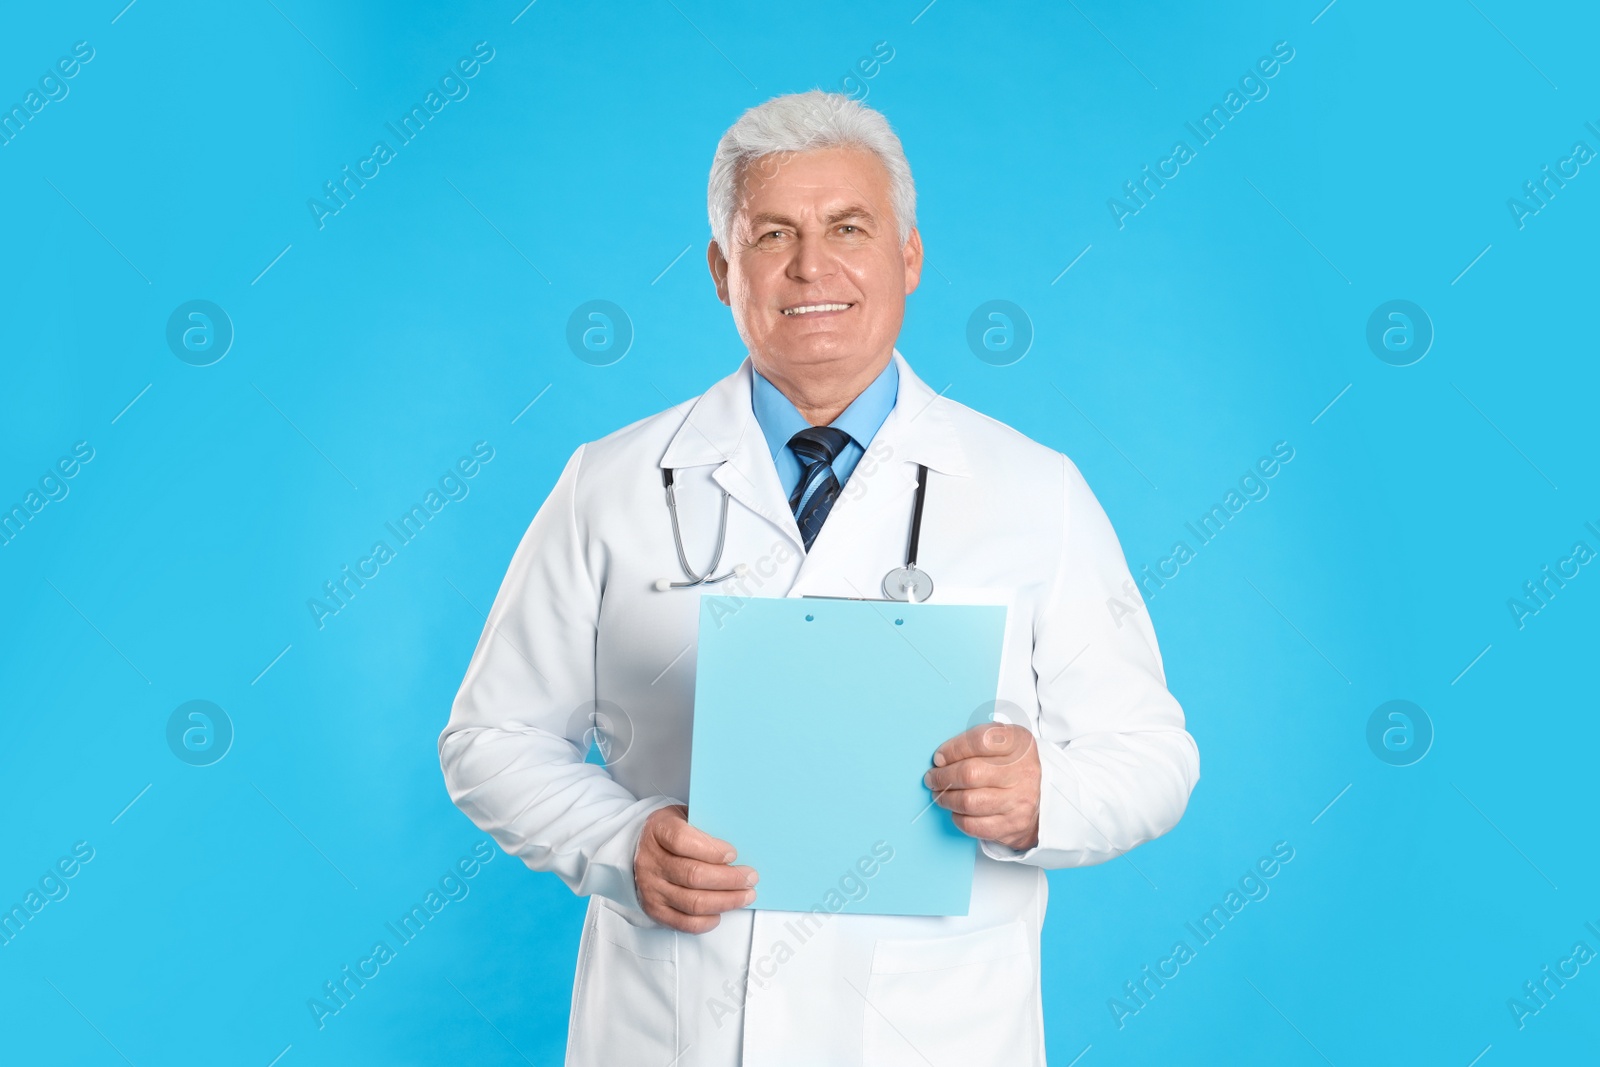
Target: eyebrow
853	211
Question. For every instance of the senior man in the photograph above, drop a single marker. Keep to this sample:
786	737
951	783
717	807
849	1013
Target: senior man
811	446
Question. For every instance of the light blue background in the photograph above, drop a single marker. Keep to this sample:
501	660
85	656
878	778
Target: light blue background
1223	318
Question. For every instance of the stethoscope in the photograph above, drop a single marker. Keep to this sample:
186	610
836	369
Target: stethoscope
908	583
739	570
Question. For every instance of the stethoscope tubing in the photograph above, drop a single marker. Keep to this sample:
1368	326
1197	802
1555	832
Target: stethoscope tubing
677	540
695	578
916	517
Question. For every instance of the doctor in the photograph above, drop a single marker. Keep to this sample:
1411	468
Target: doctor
797	474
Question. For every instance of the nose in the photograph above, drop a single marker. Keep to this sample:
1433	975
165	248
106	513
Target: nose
812	259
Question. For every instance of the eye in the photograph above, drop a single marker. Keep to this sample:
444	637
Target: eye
850	227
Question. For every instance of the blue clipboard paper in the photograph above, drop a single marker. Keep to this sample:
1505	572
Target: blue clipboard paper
814	721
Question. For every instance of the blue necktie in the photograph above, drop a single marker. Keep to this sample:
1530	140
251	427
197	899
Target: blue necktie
816	447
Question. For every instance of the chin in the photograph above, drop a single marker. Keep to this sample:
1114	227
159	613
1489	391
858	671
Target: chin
814	350
846	357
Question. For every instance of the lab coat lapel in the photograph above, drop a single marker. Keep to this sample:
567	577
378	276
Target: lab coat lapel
721	428
918	430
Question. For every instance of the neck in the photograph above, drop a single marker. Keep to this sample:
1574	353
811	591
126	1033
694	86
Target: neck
822	393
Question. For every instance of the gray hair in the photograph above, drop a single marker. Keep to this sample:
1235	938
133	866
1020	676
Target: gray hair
799	122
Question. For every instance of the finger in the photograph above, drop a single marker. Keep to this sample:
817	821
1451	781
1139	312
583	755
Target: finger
975	772
703	901
985	739
682	839
693	874
977	801
987	827
677	920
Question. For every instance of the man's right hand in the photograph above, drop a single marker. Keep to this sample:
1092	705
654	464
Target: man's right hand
683	876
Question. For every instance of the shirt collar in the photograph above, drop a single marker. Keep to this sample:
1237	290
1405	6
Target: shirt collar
780	419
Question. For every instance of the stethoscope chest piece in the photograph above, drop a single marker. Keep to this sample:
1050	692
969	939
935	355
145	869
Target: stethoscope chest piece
908	584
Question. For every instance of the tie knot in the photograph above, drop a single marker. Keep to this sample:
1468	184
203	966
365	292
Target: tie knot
818	444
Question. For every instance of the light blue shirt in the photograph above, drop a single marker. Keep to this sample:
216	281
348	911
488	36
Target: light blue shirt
780	420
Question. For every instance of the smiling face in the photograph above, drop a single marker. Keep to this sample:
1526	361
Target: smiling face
817	277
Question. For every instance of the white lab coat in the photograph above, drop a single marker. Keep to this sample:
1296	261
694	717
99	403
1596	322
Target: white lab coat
577	621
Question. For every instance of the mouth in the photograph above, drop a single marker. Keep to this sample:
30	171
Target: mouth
800	310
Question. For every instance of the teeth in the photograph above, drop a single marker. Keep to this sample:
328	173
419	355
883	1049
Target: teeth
808	308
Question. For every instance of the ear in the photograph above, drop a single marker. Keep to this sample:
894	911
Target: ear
913	260
719	271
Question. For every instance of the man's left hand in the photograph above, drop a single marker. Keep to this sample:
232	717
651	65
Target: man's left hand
989	779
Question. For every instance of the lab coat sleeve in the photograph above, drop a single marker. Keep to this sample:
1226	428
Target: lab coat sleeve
1117	765
513	750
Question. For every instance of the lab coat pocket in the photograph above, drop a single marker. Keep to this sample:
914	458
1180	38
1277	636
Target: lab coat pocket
967	999
625	1010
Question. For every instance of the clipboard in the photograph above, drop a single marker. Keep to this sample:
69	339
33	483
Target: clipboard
814	721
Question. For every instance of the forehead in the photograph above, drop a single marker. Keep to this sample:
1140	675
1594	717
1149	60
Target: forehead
794	181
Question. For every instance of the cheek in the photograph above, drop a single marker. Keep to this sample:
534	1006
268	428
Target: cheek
756	282
744	301
881	273
743	292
